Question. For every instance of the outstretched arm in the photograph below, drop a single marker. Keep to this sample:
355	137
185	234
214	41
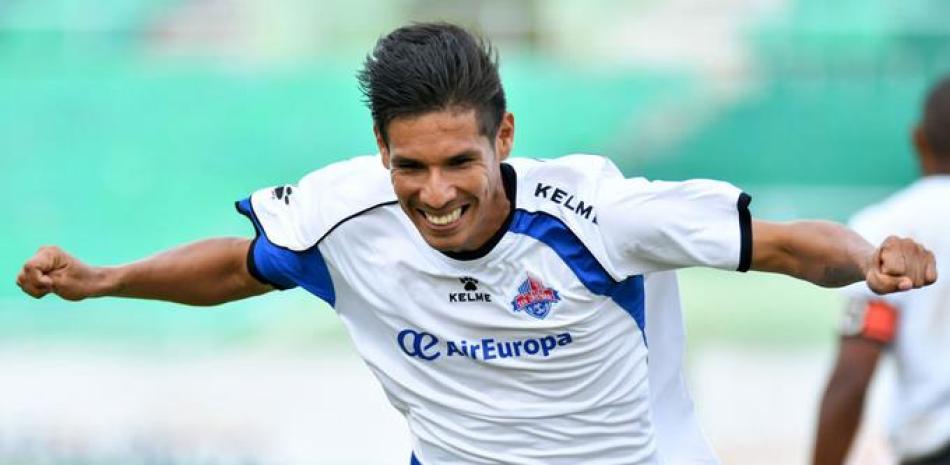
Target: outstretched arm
207	272
831	255
843	402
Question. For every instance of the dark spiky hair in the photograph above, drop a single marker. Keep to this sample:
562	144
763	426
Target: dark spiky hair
428	67
937	118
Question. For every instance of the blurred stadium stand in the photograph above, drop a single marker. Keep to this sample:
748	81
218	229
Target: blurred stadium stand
130	126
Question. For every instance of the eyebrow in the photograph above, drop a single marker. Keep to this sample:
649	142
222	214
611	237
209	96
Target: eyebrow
404	161
460	157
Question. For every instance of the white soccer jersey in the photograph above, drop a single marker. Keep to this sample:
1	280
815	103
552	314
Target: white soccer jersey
920	419
559	344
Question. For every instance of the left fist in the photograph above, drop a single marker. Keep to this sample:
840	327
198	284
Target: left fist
900	264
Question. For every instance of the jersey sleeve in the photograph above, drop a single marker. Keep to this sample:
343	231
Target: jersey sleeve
291	222
282	267
657	225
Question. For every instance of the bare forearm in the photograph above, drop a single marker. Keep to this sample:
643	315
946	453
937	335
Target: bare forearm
207	272
831	255
841	411
824	253
843	402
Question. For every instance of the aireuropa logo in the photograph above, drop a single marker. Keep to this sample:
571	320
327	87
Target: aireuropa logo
417	344
427	346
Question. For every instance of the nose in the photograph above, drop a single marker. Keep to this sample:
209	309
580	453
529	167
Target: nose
438	191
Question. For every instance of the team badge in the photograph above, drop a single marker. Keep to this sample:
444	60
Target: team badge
534	298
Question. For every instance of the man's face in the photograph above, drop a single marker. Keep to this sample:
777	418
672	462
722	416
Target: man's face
447	177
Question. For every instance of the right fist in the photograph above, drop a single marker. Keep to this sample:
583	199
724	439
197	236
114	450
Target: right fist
53	270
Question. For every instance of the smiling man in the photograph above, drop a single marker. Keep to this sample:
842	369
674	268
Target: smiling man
447	175
507	307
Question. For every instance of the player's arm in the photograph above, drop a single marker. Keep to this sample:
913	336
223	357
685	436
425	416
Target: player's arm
207	272
843	402
868	328
831	255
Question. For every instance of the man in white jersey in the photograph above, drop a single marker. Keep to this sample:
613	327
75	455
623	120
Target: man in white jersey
914	327
507	307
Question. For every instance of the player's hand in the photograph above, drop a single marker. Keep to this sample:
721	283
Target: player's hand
900	264
51	270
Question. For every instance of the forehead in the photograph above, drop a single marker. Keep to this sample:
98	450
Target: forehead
443	132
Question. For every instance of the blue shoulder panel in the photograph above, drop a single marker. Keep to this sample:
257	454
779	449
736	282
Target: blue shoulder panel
284	268
551	231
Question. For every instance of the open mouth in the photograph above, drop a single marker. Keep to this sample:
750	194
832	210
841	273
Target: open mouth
445	220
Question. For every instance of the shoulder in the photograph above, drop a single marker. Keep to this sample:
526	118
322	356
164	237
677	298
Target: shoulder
585	185
570	169
298	216
635	225
562	187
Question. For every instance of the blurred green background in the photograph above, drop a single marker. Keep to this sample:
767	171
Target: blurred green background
127	127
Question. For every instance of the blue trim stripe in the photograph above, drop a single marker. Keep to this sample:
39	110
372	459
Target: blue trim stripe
284	268
413	460
629	295
245	208
551	231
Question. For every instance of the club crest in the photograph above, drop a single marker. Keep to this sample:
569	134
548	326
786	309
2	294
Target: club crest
534	298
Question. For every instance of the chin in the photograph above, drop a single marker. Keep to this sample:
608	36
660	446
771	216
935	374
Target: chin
444	244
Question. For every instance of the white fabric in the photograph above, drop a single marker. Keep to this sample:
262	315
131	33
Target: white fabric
584	394
920	419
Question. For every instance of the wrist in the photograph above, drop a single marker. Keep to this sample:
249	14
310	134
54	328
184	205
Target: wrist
863	255
109	281
866	260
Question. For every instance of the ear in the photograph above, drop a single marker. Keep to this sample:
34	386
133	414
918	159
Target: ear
920	140
505	138
381	146
924	153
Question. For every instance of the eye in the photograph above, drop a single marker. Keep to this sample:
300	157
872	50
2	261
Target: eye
460	161
406	165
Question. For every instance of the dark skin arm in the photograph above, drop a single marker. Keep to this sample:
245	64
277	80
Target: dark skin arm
843	402
830	255
207	272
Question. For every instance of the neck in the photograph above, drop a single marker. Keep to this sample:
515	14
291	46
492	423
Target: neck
933	163
505	202
937	169
941	169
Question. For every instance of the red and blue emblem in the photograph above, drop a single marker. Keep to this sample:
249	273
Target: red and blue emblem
534	298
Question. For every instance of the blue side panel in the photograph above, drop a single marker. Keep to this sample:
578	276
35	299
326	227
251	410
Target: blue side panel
628	294
414	461
284	268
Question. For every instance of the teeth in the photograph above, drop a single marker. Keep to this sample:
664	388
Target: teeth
444	219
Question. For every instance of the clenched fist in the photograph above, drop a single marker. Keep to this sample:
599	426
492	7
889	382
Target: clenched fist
53	270
900	264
